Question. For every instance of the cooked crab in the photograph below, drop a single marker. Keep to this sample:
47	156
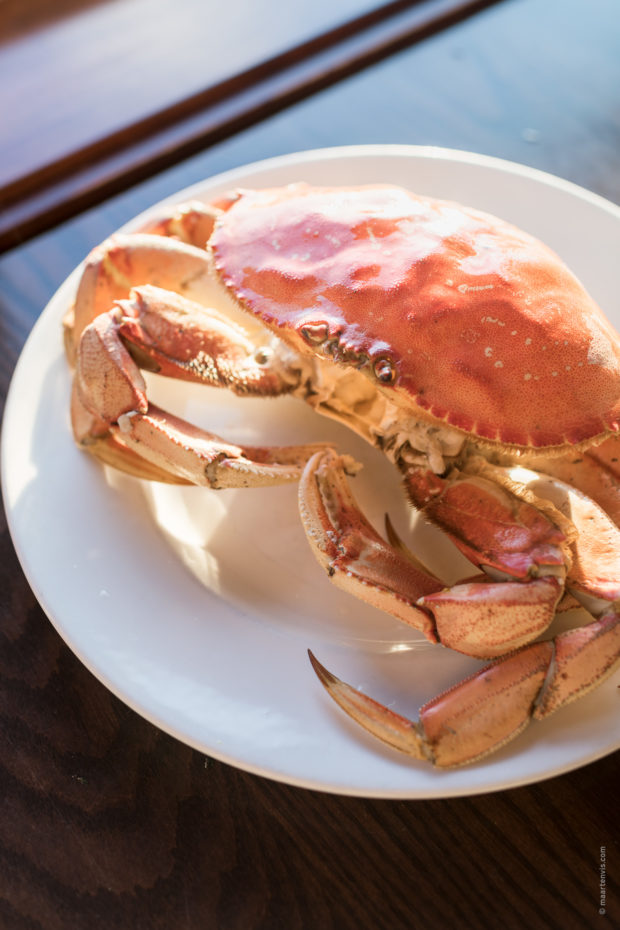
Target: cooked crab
458	345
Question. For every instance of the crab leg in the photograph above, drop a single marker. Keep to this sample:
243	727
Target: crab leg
595	472
494	705
477	618
190	222
203	458
114	420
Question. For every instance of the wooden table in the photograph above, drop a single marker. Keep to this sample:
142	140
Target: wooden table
104	820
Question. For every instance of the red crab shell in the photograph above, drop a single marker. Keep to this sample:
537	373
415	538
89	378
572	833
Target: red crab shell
478	323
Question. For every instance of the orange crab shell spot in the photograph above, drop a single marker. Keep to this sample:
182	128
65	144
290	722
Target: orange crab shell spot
483	326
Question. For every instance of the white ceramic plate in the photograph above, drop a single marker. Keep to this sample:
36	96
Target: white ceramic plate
196	607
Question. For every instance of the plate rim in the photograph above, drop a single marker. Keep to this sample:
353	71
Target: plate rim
228	178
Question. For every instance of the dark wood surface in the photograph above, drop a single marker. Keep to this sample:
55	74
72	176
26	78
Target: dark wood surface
107	93
105	822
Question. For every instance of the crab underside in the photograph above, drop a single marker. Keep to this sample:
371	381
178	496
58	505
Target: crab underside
457	345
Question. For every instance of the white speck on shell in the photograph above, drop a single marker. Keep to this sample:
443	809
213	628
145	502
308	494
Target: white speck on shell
600	351
468	288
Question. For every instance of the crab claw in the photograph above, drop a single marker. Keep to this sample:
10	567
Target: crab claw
113	419
124	261
489	524
595	546
479	618
357	559
494	705
486	619
179	338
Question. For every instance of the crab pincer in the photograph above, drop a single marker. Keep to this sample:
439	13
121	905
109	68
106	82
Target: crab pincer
173	336
478	617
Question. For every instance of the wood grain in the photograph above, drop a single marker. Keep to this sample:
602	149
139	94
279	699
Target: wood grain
143	106
128	67
107	822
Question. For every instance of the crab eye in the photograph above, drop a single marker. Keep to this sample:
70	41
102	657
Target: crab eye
384	370
315	333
